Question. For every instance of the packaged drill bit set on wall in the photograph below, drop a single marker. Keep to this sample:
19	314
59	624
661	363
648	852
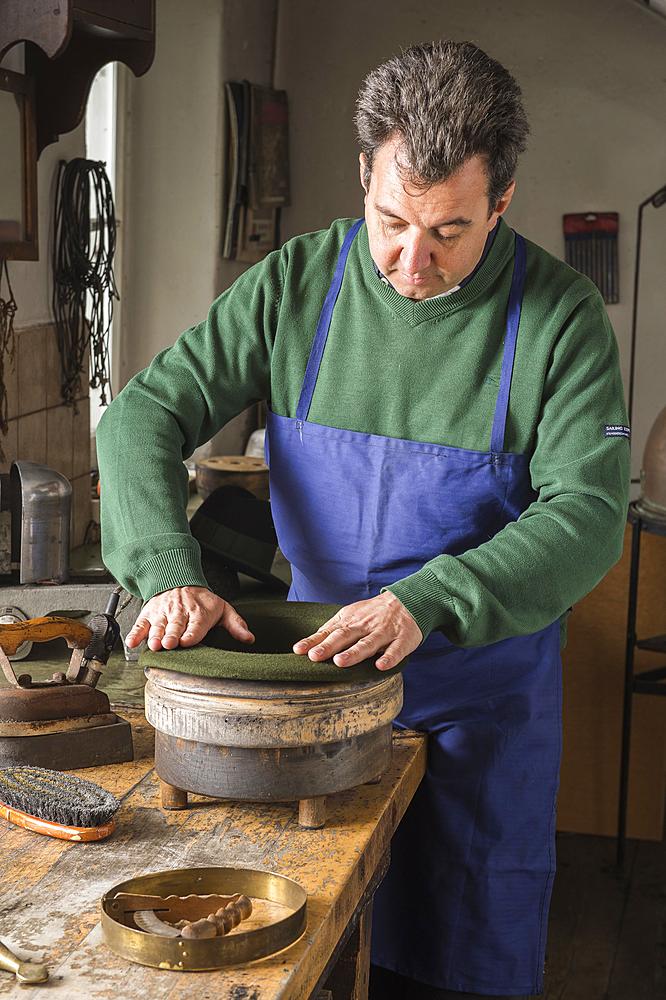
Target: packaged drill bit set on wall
590	241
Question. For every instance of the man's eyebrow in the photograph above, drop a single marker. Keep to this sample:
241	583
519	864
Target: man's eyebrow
459	221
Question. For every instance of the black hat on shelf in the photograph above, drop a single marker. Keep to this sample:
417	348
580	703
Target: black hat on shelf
237	528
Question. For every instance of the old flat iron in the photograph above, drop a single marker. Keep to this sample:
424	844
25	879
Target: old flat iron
65	722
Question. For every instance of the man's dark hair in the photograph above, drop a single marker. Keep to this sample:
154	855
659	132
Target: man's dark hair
445	101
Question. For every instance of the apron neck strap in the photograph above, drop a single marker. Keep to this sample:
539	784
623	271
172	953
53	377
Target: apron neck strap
323	326
512	322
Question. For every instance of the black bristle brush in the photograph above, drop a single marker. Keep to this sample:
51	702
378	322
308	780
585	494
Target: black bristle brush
56	804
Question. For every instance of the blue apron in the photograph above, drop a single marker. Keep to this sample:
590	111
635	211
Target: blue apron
465	903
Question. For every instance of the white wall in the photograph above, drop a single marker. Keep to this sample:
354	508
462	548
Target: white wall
172	183
593	76
174	175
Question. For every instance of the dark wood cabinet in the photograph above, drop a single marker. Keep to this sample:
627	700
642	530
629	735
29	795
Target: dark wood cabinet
67	43
136	15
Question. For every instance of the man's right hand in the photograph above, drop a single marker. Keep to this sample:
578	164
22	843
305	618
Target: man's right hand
182	617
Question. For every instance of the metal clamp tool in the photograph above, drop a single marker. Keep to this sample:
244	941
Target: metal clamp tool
63	722
126	938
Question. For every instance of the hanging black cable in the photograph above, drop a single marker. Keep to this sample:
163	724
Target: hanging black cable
84	244
7	347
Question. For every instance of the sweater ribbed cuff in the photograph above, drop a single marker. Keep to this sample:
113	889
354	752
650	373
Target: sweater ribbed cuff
170	569
421	594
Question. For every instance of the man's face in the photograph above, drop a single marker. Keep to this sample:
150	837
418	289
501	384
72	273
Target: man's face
426	240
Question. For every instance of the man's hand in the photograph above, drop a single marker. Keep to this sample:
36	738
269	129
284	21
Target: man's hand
182	617
360	630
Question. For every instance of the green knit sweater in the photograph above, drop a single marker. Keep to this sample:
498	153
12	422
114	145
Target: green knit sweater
426	371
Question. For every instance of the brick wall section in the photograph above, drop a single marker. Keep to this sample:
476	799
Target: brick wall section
41	428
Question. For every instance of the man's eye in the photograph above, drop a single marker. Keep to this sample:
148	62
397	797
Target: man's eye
392	227
444	238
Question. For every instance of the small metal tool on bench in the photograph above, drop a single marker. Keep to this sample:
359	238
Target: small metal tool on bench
28	973
65	722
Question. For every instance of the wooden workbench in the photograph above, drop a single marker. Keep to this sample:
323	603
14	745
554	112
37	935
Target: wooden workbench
50	890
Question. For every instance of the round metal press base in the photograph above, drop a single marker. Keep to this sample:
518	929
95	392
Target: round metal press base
261	741
306	774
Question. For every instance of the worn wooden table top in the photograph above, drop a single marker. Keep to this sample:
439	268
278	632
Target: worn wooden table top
50	890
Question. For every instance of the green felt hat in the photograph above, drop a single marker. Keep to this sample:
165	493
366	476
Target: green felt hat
236	528
276	625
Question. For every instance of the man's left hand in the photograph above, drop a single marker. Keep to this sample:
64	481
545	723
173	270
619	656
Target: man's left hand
360	630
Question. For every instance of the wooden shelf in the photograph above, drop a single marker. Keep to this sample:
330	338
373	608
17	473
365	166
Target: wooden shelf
66	46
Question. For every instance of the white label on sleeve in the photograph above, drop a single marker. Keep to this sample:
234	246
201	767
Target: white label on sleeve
617	431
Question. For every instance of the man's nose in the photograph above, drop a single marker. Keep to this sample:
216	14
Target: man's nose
415	253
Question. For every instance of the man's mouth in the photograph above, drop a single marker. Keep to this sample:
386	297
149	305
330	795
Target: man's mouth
415	279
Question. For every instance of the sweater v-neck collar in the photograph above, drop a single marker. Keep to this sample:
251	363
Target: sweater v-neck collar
419	311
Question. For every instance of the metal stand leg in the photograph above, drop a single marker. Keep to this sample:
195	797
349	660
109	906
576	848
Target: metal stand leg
628	691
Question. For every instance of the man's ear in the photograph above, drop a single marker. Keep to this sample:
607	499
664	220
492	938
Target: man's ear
505	200
363	166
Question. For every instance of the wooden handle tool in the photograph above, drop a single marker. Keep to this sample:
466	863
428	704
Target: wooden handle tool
191	908
199	930
221	922
75	633
145	910
76	834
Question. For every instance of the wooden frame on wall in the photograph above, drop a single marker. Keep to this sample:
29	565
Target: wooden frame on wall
18	238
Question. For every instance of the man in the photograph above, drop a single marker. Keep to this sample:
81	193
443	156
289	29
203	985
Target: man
442	396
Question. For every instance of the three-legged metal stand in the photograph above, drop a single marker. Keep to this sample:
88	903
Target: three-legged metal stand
646	682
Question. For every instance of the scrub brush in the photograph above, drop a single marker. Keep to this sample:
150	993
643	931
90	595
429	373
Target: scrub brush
56	804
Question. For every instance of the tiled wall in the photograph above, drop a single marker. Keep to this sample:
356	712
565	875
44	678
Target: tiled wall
41	428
